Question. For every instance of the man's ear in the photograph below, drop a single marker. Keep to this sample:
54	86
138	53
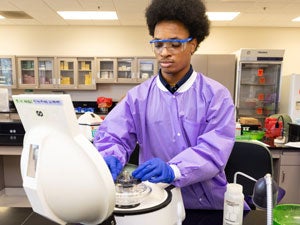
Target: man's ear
194	45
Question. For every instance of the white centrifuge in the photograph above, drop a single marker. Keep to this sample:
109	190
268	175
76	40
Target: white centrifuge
146	203
67	180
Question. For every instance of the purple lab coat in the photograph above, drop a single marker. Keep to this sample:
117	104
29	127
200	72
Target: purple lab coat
194	129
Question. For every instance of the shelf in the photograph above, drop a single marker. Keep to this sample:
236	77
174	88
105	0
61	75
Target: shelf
13	197
249	84
106	81
10	150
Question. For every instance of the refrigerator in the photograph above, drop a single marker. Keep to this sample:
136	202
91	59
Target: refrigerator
258	79
290	97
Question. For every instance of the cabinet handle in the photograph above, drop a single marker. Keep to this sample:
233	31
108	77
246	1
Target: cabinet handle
282	177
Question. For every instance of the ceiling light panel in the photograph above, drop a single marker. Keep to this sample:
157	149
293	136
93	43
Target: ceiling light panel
297	19
222	16
88	15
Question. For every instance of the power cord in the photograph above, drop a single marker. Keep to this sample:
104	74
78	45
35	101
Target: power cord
280	141
278	126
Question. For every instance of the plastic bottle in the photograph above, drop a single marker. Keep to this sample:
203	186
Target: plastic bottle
233	205
238	128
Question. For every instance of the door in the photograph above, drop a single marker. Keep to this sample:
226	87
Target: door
67	73
86	73
289	177
7	71
46	75
27	72
258	86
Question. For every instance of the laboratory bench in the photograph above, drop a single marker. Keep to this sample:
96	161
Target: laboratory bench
25	216
286	163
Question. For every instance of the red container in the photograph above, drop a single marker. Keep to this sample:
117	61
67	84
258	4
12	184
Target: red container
273	127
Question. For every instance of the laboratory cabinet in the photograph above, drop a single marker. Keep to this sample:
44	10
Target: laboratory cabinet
106	68
76	73
36	72
27	72
8	71
126	72
289	178
46	74
146	68
220	67
86	73
73	72
11	190
51	72
66	71
125	69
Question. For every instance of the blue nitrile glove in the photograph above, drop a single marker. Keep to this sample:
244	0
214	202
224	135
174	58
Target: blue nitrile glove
154	170
114	165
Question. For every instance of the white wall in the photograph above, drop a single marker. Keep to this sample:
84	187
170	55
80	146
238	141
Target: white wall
74	40
230	39
133	41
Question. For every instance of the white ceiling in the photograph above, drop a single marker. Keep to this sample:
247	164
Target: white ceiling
274	13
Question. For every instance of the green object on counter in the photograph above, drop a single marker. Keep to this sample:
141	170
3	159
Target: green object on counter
251	135
286	214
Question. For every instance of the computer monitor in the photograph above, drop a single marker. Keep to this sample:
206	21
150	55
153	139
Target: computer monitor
64	176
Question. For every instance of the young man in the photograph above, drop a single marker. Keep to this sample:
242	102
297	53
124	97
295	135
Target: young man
182	120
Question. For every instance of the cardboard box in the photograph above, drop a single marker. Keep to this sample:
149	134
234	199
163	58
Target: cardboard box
249	121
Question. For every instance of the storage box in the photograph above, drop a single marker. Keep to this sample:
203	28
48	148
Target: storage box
249	121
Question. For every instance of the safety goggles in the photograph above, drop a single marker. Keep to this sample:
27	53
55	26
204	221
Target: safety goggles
174	46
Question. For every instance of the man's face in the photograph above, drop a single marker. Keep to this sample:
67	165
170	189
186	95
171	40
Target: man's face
173	57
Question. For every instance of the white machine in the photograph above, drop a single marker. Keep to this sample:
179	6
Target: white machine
67	180
89	123
290	96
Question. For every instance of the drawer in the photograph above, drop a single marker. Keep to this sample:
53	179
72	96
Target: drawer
290	159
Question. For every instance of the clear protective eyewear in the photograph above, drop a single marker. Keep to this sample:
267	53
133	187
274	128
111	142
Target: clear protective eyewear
172	45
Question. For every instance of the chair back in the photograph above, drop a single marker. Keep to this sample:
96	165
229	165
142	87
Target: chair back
251	158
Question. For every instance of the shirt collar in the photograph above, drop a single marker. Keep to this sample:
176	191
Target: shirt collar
178	84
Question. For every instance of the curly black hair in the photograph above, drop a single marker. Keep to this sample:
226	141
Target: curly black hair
189	12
